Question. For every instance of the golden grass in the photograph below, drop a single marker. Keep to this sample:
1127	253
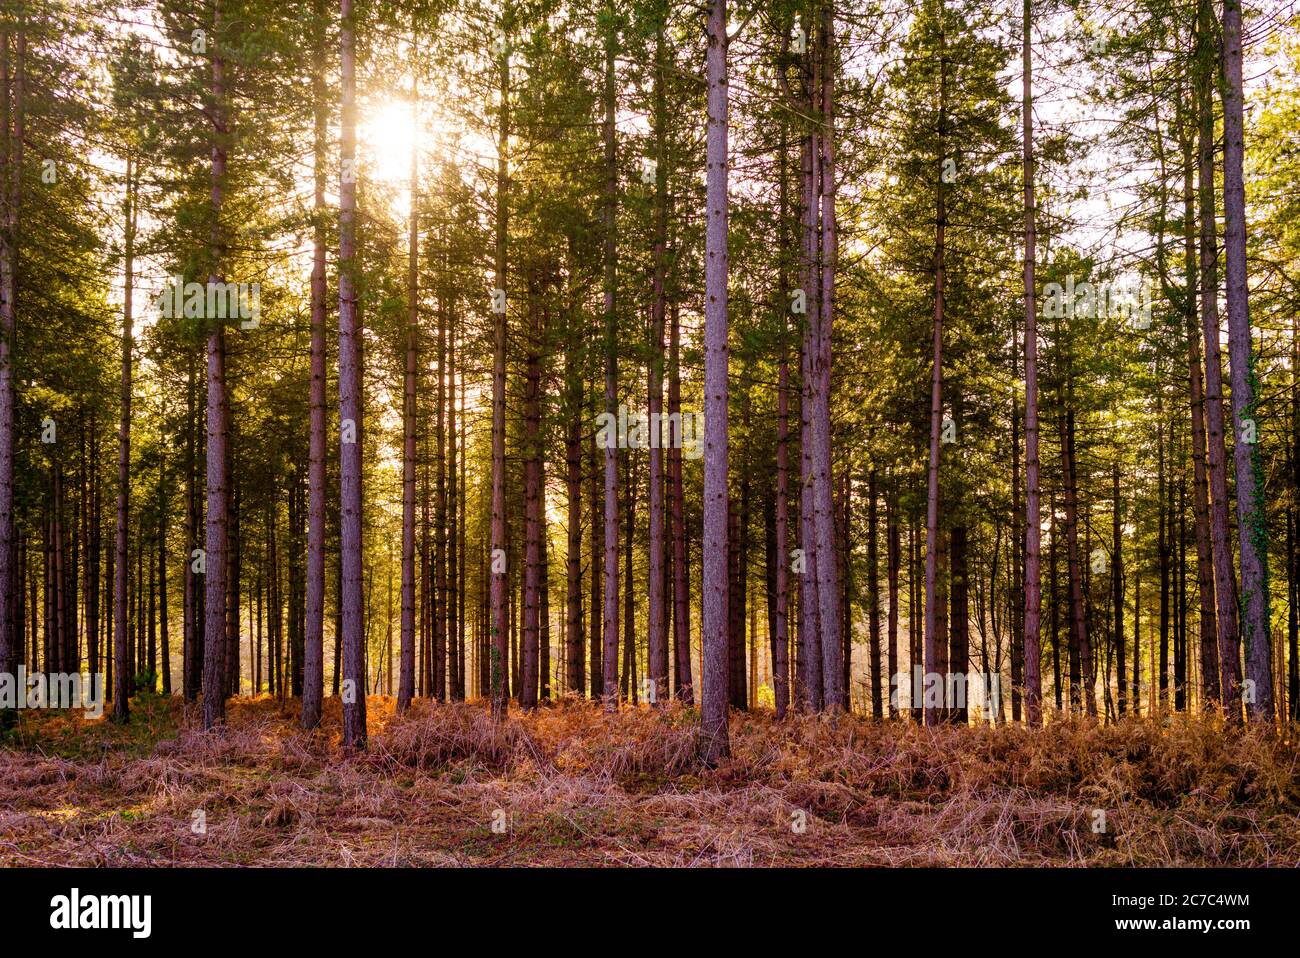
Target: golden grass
573	785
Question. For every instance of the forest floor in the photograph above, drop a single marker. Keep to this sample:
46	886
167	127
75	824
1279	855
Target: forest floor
572	785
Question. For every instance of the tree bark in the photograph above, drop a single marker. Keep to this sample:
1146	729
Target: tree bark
1033	521
350	495
533	511
894	560
714	743
121	691
575	678
406	684
959	629
1081	674
677	501
314	640
1200	481
499	639
1117	588
610	205
657	621
11	193
214	652
1252	509
828	582
1216	450
932	546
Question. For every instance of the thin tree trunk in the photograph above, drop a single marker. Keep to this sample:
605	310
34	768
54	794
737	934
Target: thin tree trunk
1117	587
932	545
1081	677
1216	452
1033	523
406	685
1163	495
439	605
597	587
121	690
162	589
314	640
828	588
1252	509
657	621
533	505
609	226
575	677
11	193
677	500
499	611
214	653
1200	481
959	637
350	495
894	560
714	743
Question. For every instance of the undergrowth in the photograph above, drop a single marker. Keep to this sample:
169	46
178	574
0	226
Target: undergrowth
573	784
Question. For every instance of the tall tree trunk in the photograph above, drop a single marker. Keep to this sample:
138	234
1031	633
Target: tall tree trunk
894	560
1252	521
1216	451
828	588
597	568
439	610
575	677
630	685
1081	674
781	636
873	595
11	193
1163	495
162	588
677	502
1293	553
314	640
192	647
1117	587
959	630
121	691
500	653
932	546
656	626
544	639
533	505
609	226
714	743
231	668
809	685
350	496
1137	642
1033	523
214	653
92	577
455	596
1200	481
406	684
736	696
